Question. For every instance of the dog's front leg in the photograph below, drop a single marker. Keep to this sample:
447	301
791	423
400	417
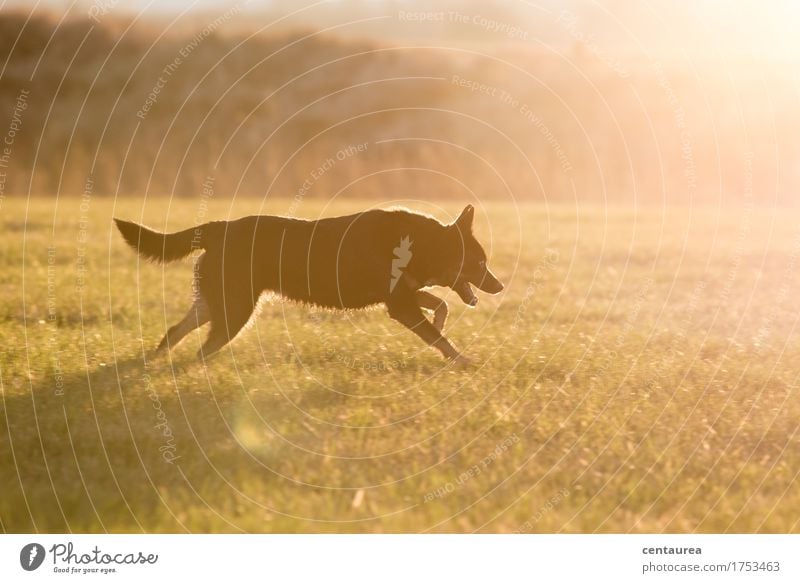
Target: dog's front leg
404	309
438	306
464	291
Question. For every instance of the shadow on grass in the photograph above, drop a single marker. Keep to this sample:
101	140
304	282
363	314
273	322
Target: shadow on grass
166	444
100	449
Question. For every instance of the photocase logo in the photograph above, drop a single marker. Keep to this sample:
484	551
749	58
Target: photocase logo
31	556
402	255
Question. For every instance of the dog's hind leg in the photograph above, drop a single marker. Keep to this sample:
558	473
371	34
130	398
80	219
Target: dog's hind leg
217	338
438	306
403	308
197	315
225	328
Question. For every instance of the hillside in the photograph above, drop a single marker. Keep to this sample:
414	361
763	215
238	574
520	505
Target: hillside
128	108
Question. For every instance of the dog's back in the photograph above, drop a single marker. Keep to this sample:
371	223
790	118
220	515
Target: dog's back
341	262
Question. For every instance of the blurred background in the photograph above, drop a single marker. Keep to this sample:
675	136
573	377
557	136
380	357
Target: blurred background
617	101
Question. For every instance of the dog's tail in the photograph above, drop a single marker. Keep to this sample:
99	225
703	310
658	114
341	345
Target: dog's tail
163	247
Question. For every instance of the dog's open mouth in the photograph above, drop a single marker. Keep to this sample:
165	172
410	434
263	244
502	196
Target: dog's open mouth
464	291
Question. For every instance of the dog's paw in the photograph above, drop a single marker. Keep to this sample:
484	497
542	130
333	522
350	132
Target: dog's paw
464	291
460	361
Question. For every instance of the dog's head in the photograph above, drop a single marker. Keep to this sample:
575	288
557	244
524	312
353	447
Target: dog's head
467	264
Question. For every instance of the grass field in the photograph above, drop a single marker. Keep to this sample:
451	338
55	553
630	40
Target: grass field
638	374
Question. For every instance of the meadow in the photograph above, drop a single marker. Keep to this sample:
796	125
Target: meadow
638	374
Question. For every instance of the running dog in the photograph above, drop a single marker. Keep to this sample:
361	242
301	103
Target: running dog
350	262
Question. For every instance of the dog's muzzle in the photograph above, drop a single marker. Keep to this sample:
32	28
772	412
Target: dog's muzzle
490	284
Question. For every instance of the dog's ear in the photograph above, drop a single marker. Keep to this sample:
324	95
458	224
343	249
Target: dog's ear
464	221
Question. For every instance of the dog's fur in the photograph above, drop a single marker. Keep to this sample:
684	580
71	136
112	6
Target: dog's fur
344	262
